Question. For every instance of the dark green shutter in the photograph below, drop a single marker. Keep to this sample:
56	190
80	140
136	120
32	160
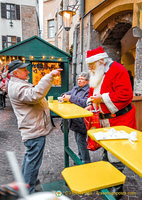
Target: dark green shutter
3	10
18	12
18	39
4	42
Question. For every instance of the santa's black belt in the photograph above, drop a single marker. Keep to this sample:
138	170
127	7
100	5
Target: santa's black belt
118	113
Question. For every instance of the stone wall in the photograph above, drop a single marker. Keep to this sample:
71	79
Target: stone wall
91	40
86	44
29	22
138	69
110	39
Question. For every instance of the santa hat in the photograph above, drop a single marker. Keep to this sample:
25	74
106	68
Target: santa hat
95	55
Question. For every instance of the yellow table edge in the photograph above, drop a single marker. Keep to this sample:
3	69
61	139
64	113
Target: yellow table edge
90	134
53	105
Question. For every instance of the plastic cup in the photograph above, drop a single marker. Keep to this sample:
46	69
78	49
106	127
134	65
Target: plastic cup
50	99
60	99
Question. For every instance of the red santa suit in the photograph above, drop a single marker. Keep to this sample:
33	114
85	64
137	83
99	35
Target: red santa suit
116	91
115	88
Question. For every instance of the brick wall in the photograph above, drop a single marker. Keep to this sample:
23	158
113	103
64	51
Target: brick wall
29	22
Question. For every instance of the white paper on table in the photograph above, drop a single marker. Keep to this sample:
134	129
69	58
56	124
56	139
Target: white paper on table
112	134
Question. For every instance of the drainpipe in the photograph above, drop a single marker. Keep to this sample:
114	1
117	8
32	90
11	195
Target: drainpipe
74	59
65	45
38	19
81	13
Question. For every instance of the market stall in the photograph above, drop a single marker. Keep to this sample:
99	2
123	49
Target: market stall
43	58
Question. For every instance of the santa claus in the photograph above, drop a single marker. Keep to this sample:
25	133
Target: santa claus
111	90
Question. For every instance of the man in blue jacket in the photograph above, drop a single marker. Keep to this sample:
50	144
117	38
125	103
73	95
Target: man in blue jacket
78	95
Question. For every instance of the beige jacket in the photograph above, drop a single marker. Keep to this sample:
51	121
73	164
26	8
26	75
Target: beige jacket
30	106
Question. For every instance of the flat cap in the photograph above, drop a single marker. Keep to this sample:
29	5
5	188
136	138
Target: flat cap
16	64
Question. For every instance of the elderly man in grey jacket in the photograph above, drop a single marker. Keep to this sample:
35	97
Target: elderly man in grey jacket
33	116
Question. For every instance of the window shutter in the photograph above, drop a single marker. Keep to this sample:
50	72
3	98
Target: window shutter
18	12
3	10
18	39
4	42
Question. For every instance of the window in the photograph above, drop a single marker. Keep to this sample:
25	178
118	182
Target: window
39	69
11	40
10	11
8	41
51	28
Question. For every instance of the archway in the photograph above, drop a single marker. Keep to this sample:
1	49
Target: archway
116	38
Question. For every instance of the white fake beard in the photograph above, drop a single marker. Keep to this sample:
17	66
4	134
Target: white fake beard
96	75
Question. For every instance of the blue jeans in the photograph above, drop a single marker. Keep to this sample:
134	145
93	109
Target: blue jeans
32	161
82	147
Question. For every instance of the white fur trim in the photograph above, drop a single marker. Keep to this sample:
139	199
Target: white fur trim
106	99
96	57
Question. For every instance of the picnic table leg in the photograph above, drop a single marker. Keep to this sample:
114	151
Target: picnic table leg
66	142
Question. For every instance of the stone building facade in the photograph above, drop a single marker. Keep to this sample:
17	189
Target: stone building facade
18	21
53	31
116	26
53	26
108	23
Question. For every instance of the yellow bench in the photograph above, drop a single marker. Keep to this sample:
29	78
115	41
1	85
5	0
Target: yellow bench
91	177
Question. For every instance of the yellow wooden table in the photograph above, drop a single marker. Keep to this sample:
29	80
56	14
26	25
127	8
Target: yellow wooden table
68	110
128	153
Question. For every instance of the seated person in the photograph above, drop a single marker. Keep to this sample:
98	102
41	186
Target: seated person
78	95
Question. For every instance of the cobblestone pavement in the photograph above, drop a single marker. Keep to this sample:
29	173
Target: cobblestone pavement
53	161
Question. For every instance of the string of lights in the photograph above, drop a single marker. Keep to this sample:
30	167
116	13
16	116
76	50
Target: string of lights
8	59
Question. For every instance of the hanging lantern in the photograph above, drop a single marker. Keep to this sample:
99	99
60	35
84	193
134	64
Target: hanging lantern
67	17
